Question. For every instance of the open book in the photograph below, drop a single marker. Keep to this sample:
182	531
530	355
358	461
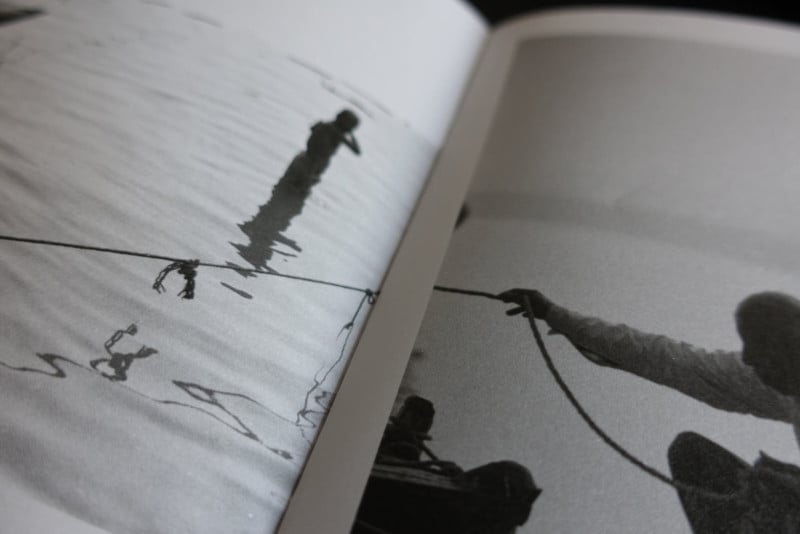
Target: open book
257	259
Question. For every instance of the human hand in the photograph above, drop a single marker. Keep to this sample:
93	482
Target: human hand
540	304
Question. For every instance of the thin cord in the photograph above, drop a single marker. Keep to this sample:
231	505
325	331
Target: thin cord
289	277
172	259
469	292
88	247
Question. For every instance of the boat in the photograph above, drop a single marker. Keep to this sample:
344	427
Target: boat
408	495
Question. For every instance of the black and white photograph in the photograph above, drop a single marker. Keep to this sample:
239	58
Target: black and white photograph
194	222
611	343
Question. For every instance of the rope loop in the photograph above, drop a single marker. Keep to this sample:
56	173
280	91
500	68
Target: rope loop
186	268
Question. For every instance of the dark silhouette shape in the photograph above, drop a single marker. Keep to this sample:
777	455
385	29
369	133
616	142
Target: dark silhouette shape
241	293
9	14
406	495
289	195
463	215
120	362
514	489
764	497
405	435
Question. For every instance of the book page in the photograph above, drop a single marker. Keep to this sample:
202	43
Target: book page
638	173
199	203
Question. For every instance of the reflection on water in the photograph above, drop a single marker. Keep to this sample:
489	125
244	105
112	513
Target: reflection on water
289	195
55	370
318	400
241	293
120	363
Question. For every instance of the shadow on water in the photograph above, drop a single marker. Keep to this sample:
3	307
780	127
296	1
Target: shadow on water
120	362
266	228
318	400
211	405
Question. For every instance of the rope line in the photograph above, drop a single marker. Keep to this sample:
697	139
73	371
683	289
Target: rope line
608	440
318	281
468	292
88	247
188	269
178	262
577	405
655	473
306	411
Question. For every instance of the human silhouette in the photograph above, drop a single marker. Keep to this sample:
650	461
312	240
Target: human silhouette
289	195
405	435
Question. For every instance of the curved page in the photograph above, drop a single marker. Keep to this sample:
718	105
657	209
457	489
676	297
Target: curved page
640	173
197	207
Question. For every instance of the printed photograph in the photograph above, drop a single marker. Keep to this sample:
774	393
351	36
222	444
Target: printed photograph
613	342
193	224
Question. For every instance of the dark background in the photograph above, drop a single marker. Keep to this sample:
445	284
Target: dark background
787	12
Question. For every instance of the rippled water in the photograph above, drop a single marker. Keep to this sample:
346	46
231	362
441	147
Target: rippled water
160	134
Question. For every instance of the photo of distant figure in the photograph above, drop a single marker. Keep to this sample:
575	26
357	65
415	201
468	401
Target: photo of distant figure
267	228
138	140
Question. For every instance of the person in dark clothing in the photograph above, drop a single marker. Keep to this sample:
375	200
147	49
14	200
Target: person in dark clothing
438	497
405	435
293	189
734	496
326	137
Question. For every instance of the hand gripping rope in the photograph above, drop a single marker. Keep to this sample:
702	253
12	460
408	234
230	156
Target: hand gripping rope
653	472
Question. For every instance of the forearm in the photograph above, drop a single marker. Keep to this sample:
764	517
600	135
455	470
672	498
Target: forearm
618	344
716	378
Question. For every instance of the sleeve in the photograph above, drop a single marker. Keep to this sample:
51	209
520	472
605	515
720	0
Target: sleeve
717	378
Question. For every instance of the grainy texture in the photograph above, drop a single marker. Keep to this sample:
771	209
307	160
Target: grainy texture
140	127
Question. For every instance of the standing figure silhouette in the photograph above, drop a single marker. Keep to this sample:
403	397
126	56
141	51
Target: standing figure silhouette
289	195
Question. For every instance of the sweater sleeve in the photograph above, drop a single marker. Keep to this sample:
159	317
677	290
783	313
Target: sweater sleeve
717	378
